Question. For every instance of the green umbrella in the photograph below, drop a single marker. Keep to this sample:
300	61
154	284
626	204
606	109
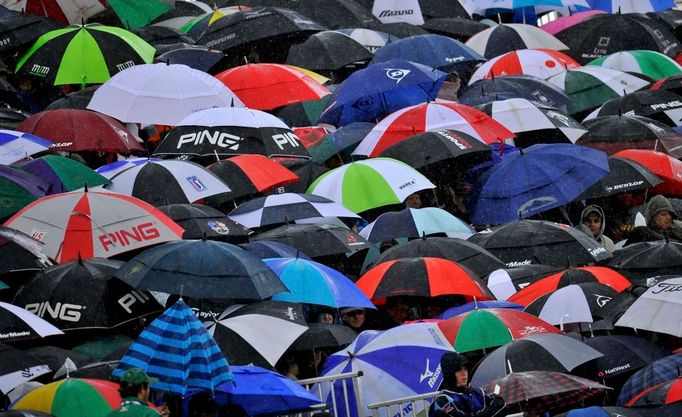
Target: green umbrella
64	174
18	189
135	14
653	64
84	54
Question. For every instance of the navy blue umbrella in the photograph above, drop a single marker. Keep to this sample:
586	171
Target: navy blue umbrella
513	86
474	305
655	373
346	138
375	92
540	178
437	51
265	249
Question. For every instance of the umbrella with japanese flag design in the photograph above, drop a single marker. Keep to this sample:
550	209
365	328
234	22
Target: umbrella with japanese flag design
93	223
542	63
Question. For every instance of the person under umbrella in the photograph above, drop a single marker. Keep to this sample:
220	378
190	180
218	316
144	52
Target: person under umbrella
661	223
593	219
134	389
458	399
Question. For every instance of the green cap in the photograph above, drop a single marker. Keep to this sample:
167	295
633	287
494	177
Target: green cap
136	376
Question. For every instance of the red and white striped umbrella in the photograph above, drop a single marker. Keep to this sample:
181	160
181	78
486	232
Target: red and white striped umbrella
65	11
425	117
542	63
93	223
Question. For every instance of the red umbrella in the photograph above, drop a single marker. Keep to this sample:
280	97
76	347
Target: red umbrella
251	174
540	62
414	120
570	276
662	394
67	12
81	130
667	168
268	86
424	277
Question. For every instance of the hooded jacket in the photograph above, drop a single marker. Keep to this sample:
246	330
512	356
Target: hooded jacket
604	240
657	204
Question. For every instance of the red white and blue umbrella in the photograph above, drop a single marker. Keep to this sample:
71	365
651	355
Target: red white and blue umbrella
15	146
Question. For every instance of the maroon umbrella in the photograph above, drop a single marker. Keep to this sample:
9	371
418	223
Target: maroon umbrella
81	130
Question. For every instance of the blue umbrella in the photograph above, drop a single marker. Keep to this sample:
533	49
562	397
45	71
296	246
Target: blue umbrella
347	137
15	146
642	6
375	92
271	249
596	411
436	51
411	222
455	311
540	178
177	349
658	371
313	283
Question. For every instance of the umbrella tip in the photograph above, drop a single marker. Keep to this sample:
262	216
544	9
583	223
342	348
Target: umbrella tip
203	237
85	187
80	258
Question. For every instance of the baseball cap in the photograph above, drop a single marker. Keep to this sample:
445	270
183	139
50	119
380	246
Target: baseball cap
352	309
136	376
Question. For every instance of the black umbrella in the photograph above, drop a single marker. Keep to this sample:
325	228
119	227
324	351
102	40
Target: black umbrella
21	29
180	9
608	33
58	295
202	59
623	131
648	259
305	169
660	105
513	86
526	242
76	100
571	300
161	35
470	255
202	269
615	308
56	358
17	367
265	249
624	175
329	51
322	335
460	28
505	282
671	84
201	221
11	117
317	239
398	29
19	251
671	18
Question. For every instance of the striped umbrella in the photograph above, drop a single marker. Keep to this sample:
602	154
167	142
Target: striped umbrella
413	223
19	324
73	11
650	63
542	63
632	6
511	37
177	349
18	145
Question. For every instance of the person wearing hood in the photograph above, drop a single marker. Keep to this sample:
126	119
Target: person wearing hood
458	399
661	223
594	219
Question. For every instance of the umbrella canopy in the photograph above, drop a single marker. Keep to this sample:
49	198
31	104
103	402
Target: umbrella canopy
19	251
64	174
491	327
574	303
317	239
564	22
648	259
644	6
540	178
258	334
75	100
15	146
98	53
268	86
11	117
18	367
657	372
659	395
542	63
363	185
137	15
660	105
314	283
667	168
93	223
177	349
624	175
202	59
74	12
656	310
505	282
323	335
160	94
20	324
266	249
202	269
19	188
653	64
328	51
505	38
22	29
373	40
415	223
476	305
201	221
513	86
74	130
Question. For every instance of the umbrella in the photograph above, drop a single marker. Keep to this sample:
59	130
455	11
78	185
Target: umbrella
537	352
414	223
202	269
542	63
511	37
491	327
340	142
19	188
99	52
202	59
287	207
268	86
74	130
644	6
563	22
653	64
303	113
11	117
64	361
177	349
476	305
257	334
657	309
67	13
93	223
198	25
165	182
19	251
18	367
647	259
660	105
380	89
395	363
135	15
15	146
399	30
20	324
373	40
363	185
316	239
659	371
460	28
423	117
329	51
436	51
270	249
576	303
64	174
513	86
422	277
659	395
181	13
667	168
72	397
542	177
111	169
527	242
22	29
671	83
618	304
201	221
160	94
505	282
323	335
624	175
590	86
76	100
314	283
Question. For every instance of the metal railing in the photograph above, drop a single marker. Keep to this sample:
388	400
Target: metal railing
318	387
406	406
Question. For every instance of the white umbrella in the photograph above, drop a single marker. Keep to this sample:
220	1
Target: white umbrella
659	309
15	146
160	94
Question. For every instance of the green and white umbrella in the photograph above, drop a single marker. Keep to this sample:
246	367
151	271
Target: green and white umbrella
589	87
84	54
371	183
650	63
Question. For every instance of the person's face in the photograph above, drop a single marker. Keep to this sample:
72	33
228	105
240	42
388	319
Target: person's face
355	318
398	312
593	221
145	392
413	201
462	377
326	318
663	219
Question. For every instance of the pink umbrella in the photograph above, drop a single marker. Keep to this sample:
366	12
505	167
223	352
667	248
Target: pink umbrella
565	22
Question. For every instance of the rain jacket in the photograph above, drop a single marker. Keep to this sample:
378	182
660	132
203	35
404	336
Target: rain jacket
657	204
134	407
603	240
467	402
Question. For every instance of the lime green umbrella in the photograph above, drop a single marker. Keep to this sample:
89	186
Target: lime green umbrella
653	64
84	54
135	14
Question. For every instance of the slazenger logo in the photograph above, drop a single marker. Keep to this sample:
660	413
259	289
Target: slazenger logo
458	141
397	74
602	299
291	314
455	59
62	311
389	13
123	237
221	139
431	375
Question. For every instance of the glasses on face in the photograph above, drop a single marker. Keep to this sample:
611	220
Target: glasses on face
355	313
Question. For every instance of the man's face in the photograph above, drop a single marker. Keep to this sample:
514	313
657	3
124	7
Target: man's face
663	219
462	377
399	312
355	318
593	221
413	201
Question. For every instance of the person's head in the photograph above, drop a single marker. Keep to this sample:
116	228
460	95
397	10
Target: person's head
593	217
397	309
135	383
325	317
353	317
413	201
660	213
454	369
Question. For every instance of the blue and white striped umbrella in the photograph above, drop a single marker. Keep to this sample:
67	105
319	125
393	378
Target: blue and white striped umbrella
632	6
15	146
415	223
398	362
177	349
